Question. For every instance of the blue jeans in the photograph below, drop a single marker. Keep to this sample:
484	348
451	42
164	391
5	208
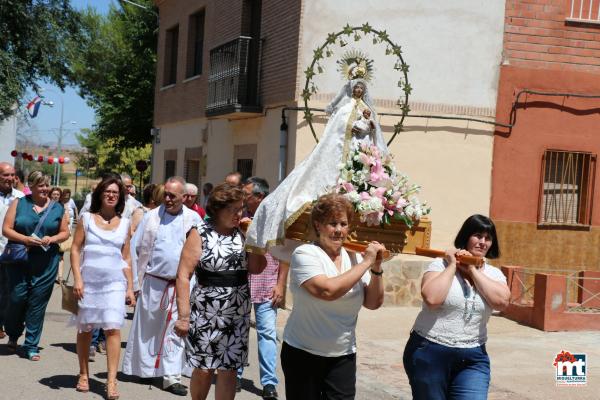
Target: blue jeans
97	336
438	372
266	318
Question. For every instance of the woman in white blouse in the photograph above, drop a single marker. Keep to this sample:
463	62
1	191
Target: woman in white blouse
329	286
445	357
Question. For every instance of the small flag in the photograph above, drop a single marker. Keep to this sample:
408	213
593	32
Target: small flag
34	106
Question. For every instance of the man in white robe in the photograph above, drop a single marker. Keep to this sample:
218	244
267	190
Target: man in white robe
153	349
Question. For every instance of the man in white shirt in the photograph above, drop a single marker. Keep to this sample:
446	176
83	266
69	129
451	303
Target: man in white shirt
7	194
131	204
153	349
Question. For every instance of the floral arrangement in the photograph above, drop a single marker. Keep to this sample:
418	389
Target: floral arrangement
377	191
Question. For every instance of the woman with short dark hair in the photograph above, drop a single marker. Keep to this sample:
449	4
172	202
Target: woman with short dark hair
445	357
330	286
55	194
218	322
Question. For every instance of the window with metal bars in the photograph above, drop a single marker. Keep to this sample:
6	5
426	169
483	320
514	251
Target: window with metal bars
245	167
169	168
566	188
191	171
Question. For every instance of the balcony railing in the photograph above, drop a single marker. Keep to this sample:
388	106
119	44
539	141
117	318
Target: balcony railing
233	80
586	11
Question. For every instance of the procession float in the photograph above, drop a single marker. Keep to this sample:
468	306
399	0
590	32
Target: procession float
352	159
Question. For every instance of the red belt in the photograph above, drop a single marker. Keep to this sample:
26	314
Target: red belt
168	306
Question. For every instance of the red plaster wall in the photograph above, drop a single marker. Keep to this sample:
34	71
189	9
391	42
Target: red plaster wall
544	123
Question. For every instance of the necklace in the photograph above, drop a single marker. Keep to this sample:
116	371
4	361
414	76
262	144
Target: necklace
469	295
104	219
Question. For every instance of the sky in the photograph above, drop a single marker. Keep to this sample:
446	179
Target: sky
45	127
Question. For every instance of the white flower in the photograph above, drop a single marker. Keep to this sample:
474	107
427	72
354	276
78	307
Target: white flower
354	197
374	204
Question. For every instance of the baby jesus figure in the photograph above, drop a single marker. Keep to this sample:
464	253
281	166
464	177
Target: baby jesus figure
363	128
364	125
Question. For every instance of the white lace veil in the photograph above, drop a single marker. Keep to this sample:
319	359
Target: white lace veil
345	95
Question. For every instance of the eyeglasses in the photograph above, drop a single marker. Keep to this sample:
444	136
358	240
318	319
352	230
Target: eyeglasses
111	193
170	195
234	210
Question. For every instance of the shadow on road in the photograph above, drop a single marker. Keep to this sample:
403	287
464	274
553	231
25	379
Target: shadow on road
58	382
248	386
70	347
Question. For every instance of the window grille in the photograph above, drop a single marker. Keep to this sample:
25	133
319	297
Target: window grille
567	188
233	78
192	171
244	167
587	11
169	169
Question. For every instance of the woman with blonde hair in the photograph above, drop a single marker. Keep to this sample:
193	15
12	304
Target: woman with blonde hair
40	224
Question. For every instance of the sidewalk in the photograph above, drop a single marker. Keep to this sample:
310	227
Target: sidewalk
521	357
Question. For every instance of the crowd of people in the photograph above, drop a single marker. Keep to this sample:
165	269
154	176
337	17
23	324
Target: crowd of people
181	262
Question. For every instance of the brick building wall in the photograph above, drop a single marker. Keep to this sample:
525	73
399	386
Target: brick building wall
280	28
186	99
545	51
538	35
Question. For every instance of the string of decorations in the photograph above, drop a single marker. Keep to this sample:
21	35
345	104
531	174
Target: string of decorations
40	158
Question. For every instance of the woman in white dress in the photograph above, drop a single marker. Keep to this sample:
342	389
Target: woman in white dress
103	281
317	174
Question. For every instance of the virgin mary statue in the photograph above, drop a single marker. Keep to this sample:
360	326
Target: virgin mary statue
318	173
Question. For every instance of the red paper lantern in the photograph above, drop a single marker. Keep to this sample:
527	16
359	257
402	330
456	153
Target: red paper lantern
25	156
14	153
40	158
50	160
61	160
30	157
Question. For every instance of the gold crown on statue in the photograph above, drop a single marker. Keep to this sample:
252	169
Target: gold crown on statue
355	64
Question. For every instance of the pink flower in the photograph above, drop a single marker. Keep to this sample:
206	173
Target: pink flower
379	192
401	203
365	159
378	175
348	187
365	196
373	218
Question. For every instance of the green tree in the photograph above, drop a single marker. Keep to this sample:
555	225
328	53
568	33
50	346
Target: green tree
34	45
110	155
114	65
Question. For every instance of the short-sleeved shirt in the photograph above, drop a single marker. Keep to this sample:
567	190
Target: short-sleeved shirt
261	285
321	327
461	321
5	200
